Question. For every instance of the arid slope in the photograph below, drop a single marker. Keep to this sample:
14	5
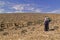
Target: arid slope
28	26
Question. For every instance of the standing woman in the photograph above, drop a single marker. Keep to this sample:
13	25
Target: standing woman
46	23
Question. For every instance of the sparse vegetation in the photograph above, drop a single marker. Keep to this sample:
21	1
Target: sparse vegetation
33	28
2	25
56	27
39	22
29	23
5	33
1	29
28	27
23	31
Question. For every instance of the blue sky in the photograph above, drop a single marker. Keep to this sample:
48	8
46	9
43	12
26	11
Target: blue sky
40	6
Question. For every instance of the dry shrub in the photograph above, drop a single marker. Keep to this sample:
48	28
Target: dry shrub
39	22
5	33
25	24
18	26
1	29
23	31
29	23
33	28
2	25
56	27
9	25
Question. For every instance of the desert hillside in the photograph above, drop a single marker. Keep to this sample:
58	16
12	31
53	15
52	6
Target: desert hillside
28	26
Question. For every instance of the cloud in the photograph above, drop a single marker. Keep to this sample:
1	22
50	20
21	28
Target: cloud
9	7
55	11
21	6
1	10
25	8
18	7
38	10
20	11
2	3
